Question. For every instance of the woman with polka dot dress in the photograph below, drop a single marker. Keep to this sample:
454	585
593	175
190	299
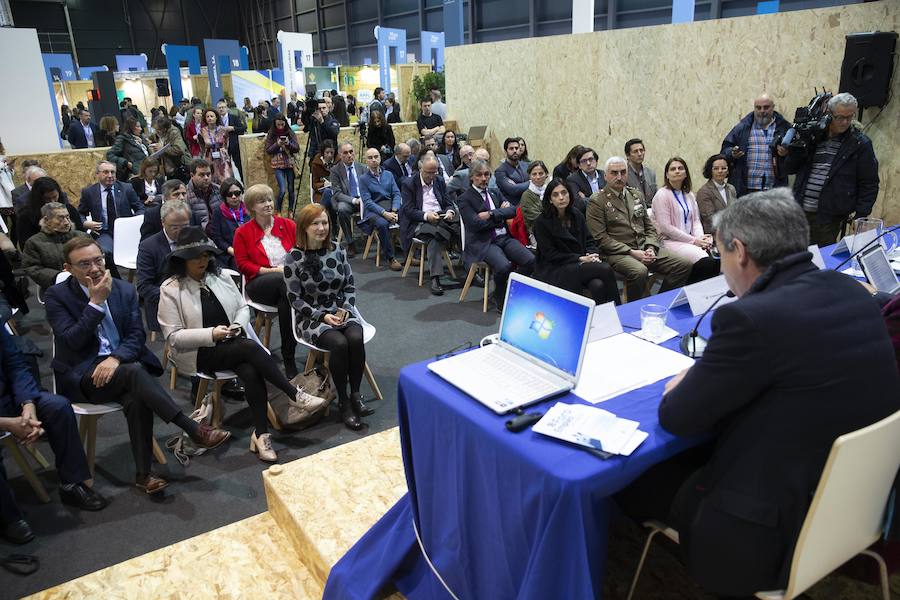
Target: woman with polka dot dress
320	288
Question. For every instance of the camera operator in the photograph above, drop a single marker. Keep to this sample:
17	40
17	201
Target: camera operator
319	124
836	176
752	164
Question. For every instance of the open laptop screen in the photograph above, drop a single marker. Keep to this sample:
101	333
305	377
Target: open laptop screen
878	270
547	326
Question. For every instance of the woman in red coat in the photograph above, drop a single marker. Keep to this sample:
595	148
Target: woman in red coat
260	248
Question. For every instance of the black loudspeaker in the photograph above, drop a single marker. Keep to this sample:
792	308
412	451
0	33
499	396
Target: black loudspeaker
162	87
868	66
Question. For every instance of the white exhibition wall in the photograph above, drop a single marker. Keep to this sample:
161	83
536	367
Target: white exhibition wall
27	119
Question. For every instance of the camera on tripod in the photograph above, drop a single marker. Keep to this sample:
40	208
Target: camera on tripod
810	124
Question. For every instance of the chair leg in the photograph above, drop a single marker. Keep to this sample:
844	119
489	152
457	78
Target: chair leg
165	359
37	456
273	418
258	322
408	263
449	264
340	235
368	247
311	359
218	409
90	448
372	383
468	283
202	386
487	288
882	573
158	453
422	255
377	252
32	479
641	563
173	377
268	335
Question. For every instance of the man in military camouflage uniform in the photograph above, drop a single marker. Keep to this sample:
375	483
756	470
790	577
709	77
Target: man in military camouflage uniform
617	219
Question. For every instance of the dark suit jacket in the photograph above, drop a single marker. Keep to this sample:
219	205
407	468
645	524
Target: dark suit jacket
340	184
79	140
240	128
138	184
478	232
782	377
558	245
578	183
127	203
411	213
153	222
17	384
20	196
393	166
151	268
75	325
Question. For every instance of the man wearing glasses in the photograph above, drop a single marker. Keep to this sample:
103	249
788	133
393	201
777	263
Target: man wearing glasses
587	180
836	177
752	164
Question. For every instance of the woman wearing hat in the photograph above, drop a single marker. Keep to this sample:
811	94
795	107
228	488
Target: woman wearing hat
204	319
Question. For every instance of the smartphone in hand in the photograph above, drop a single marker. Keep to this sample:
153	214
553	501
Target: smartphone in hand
342	314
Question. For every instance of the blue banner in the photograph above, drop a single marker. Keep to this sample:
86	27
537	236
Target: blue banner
221	57
682	11
175	55
433	40
767	7
131	62
389	38
453	22
58	67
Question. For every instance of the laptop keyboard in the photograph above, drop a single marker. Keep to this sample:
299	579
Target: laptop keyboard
513	381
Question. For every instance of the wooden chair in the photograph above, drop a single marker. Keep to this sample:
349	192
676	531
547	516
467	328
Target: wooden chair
423	255
474	268
394	233
14	448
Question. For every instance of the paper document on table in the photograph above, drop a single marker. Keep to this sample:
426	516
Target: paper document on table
591	427
622	363
159	152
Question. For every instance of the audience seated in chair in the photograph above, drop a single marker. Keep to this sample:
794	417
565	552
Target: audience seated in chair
225	221
202	194
398	164
487	239
328	319
532	202
567	256
261	246
42	256
345	189
26	412
214	338
28	218
148	183
511	175
716	193
105	201
381	205
173	189
588	179
626	238
100	355
426	213
152	255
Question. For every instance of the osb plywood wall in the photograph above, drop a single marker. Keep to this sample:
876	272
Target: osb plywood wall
678	87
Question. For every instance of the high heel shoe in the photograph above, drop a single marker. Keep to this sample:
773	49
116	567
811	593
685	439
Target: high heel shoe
262	446
349	417
359	408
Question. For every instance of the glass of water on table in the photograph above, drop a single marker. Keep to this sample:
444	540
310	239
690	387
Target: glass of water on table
653	320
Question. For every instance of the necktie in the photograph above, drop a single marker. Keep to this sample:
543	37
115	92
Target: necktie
354	188
405	169
487	207
109	329
110	208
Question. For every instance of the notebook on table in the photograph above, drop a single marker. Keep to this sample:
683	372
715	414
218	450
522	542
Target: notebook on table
543	335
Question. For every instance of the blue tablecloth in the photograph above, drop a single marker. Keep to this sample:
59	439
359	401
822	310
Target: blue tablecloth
502	515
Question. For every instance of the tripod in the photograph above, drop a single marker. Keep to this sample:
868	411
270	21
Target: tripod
299	182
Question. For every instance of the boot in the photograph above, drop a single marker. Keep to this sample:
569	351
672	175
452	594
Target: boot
349	417
358	406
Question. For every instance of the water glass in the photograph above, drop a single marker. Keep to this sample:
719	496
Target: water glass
653	320
866	229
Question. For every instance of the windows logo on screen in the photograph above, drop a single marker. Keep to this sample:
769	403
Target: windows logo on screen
542	325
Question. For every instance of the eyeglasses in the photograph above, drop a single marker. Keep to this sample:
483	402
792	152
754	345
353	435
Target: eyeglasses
585	161
233	194
84	265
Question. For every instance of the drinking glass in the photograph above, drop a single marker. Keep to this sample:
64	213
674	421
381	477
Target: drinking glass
866	229
653	320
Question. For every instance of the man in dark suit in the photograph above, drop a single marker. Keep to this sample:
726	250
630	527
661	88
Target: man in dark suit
31	170
398	164
781	378
152	255
346	198
173	189
105	201
84	134
587	180
100	355
427	213
235	125
25	411
487	238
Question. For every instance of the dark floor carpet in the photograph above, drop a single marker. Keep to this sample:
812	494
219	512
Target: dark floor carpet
226	486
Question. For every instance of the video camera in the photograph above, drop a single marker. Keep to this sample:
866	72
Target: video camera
310	106
810	124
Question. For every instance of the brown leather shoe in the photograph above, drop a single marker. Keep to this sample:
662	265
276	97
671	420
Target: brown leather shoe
395	265
151	484
210	438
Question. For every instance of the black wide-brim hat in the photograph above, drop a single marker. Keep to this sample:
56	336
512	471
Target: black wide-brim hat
191	243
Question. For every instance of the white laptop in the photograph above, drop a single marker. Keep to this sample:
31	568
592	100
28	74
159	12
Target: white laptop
878	271
543	334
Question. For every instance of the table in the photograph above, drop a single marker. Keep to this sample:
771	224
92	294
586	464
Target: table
503	515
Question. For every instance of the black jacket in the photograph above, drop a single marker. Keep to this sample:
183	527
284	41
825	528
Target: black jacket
558	245
782	377
740	136
852	182
411	213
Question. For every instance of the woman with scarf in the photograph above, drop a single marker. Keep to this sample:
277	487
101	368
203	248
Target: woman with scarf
281	146
129	150
214	141
531	203
224	221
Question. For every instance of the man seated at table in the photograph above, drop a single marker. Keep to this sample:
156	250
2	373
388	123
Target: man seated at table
424	202
173	189
785	373
101	356
381	205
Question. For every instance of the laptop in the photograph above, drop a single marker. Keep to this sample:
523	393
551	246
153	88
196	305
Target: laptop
543	335
878	270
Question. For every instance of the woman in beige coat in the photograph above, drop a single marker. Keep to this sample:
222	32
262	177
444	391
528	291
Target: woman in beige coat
204	319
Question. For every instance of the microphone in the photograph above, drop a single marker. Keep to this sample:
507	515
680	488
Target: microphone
867	246
689	343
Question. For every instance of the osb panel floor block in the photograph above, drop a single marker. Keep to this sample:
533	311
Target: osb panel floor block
324	503
223	563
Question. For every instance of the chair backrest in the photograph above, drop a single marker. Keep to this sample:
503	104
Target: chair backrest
462	233
847	512
126	238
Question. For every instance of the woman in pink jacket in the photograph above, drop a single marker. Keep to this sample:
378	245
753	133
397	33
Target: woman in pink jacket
677	219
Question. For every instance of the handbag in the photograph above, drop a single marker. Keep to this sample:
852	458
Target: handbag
181	445
315	390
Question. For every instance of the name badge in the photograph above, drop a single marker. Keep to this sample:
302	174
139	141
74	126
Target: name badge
217	154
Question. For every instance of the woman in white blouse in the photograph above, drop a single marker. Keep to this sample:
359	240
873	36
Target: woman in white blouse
677	219
716	193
